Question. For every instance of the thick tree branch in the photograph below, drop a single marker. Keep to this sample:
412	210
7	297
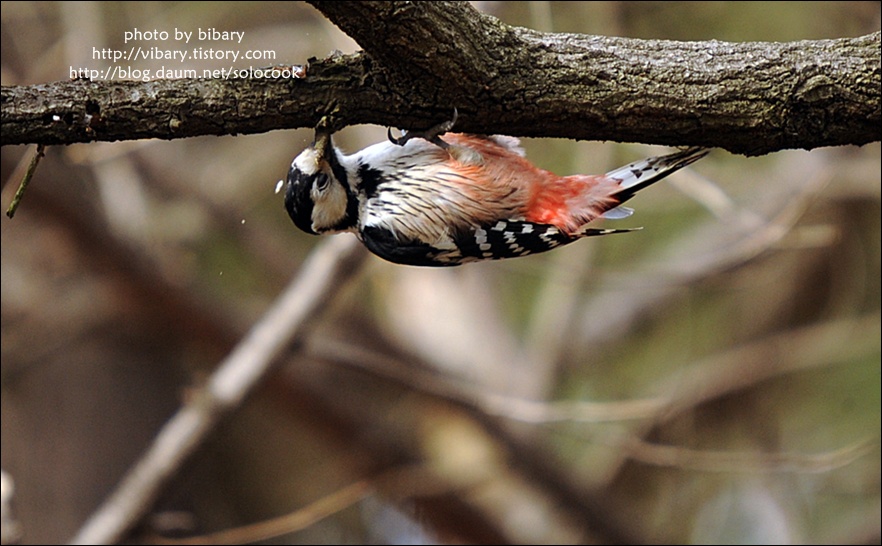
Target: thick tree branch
746	97
83	111
422	59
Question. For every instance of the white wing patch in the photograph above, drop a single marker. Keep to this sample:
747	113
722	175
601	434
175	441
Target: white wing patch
510	143
618	213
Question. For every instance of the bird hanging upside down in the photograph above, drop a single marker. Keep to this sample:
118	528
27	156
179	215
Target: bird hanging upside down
421	200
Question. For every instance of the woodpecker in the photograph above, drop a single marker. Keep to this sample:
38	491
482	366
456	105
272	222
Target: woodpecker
425	201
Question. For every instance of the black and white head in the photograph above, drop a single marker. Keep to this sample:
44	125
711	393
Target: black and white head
319	198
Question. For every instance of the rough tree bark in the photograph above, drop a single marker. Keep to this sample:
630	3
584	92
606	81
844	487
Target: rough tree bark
422	59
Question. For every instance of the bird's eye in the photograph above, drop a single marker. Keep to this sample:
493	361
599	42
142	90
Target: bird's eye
322	181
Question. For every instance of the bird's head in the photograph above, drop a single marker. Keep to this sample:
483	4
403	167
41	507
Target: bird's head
318	197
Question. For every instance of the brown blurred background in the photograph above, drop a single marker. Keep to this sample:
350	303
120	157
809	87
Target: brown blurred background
514	401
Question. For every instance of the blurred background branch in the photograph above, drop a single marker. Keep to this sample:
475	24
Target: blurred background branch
325	273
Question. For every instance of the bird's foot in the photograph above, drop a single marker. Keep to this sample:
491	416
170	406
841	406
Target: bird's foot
432	134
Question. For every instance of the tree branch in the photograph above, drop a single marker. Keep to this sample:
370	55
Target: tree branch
422	59
745	97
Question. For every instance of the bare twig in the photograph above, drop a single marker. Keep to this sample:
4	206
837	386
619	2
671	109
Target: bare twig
478	397
398	483
788	352
750	462
32	168
740	368
282	525
329	266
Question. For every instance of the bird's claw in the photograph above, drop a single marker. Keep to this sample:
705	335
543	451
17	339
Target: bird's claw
432	134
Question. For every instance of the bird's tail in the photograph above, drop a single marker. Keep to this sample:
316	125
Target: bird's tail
586	197
633	177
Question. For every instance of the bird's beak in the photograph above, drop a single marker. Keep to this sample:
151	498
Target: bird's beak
323	143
